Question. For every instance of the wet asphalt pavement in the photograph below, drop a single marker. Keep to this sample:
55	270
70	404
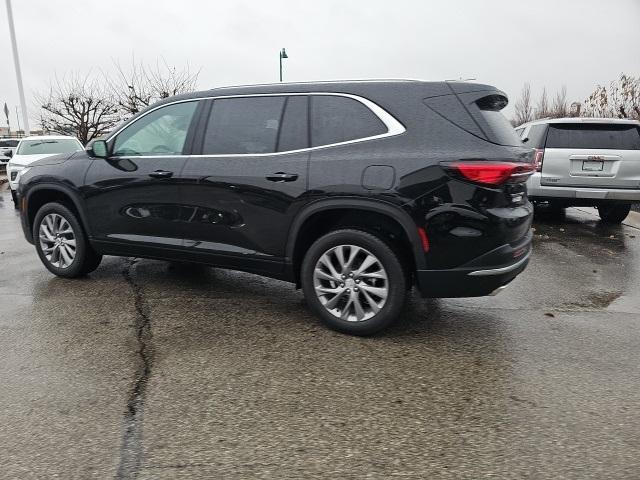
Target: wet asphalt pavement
157	371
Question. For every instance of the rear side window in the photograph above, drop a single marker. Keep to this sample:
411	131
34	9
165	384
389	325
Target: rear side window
594	136
243	126
336	119
500	129
294	131
537	135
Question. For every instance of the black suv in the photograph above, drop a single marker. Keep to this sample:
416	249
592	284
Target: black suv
354	191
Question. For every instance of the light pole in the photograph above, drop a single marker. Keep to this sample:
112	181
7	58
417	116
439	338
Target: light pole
283	54
16	61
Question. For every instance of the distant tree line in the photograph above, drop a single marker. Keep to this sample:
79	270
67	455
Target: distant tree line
621	99
90	105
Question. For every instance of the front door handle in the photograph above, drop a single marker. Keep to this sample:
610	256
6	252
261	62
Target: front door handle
282	177
161	174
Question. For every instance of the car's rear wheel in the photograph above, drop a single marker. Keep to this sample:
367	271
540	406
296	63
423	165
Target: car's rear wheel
61	242
614	213
354	281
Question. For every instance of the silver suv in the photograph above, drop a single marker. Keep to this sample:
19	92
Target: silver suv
585	162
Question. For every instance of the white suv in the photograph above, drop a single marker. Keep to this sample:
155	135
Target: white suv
585	162
35	148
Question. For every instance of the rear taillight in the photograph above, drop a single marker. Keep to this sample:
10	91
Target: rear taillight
538	158
490	173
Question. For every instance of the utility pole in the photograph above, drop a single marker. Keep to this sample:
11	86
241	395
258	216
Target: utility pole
18	119
16	61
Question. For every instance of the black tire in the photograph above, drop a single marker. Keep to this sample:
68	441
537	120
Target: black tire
614	213
396	282
14	197
85	260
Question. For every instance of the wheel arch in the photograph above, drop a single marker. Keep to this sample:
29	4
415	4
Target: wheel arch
392	212
50	192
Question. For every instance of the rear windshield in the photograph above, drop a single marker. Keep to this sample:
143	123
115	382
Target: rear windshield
8	143
48	146
594	136
501	130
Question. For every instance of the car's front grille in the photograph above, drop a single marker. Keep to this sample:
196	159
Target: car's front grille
14	174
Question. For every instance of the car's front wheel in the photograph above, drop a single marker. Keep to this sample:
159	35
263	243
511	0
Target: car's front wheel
354	281
614	213
61	242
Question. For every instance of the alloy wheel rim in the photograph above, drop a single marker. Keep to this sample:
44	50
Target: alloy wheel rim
57	240
351	283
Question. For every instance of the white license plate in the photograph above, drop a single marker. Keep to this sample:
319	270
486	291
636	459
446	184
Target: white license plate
592	166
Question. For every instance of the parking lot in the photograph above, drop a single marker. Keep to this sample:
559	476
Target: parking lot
154	370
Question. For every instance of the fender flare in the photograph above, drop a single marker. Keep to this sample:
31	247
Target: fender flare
345	203
69	192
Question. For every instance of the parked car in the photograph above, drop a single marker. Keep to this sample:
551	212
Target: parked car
585	162
30	149
7	148
354	191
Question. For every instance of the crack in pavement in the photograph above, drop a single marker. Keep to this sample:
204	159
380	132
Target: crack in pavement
131	451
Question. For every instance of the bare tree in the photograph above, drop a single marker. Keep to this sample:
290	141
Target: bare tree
523	107
78	106
139	86
560	107
542	108
620	100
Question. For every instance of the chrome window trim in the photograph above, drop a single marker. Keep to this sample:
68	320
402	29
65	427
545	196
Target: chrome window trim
394	127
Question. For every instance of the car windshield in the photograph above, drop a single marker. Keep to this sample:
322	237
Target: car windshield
48	146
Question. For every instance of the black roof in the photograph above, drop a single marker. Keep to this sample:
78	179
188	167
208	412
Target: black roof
373	88
342	86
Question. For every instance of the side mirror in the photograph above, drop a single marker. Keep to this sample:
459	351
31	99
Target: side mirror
9	154
99	149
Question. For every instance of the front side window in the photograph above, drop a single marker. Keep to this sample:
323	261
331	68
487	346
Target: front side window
244	125
336	119
161	132
46	146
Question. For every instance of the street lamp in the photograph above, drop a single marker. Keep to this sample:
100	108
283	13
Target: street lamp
283	54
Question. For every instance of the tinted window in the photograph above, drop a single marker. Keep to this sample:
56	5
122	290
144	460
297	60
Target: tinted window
537	135
48	146
161	132
8	143
501	130
339	119
294	131
243	125
594	136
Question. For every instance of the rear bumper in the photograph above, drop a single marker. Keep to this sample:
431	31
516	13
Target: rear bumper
478	278
535	191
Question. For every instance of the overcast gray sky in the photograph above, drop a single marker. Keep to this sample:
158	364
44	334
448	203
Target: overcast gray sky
579	43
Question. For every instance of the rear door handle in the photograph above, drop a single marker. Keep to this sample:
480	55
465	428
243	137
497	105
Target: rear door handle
282	177
161	174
